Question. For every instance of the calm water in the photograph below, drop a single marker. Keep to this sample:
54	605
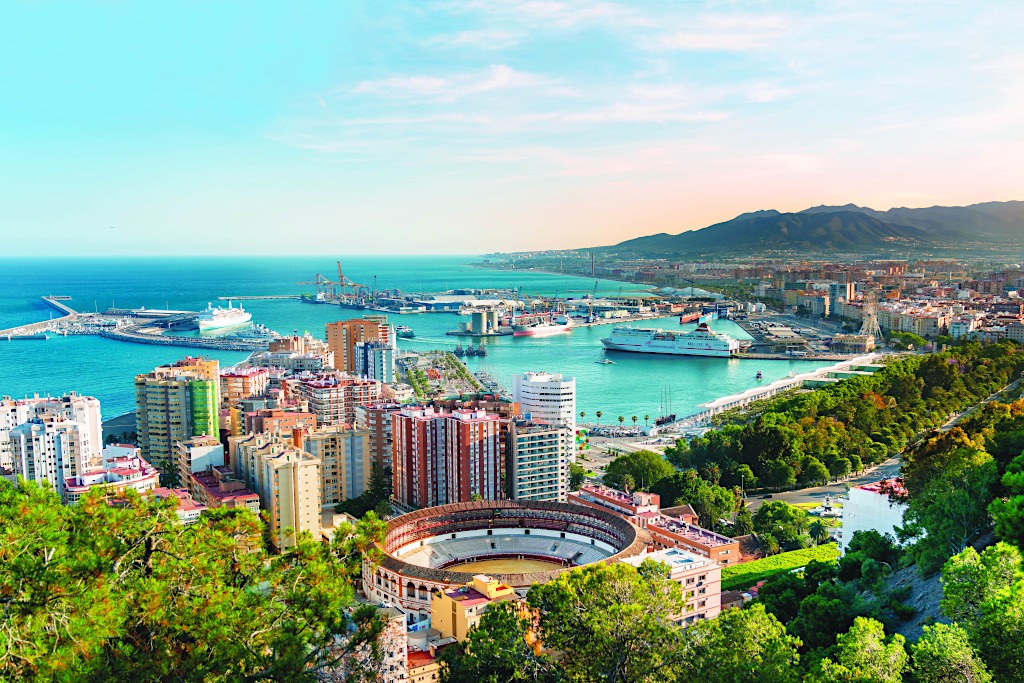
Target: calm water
103	368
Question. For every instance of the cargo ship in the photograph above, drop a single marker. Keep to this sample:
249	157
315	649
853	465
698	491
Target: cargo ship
700	342
540	325
216	317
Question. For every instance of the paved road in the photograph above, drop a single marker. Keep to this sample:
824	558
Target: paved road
888	469
957	417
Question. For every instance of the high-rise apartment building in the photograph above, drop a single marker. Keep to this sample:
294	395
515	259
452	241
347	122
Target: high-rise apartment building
376	419
345	460
342	337
173	403
547	398
539	457
375	360
83	410
444	458
286	479
240	383
277	420
333	397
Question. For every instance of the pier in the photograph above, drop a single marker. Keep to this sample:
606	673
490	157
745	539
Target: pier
259	297
32	330
135	335
144	327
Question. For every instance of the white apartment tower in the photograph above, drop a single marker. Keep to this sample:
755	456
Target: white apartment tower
84	410
549	399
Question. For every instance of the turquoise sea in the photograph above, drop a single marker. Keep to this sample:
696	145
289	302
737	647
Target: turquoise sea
634	385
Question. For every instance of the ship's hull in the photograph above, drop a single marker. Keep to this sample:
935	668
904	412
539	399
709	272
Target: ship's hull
539	331
233	321
668	350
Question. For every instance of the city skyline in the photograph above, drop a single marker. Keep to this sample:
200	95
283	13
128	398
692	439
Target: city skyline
474	127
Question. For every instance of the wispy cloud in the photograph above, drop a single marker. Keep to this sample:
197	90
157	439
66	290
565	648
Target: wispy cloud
487	39
723	32
458	86
553	13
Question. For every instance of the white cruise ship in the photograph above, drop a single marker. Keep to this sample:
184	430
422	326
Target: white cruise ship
215	317
700	342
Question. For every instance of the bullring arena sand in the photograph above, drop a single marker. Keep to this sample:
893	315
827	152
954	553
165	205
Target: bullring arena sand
505	566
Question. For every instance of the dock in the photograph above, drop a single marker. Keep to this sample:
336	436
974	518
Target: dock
30	330
259	297
143	330
135	335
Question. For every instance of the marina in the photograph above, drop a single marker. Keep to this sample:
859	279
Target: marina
75	356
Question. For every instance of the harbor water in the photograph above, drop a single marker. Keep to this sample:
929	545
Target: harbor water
632	385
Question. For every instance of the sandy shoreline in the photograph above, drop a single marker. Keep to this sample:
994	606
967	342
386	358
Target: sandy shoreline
120	424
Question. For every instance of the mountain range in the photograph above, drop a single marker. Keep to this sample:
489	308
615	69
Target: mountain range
845	228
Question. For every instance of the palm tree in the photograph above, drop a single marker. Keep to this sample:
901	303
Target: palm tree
647	418
599	414
583	414
635	418
621	420
770	543
819	531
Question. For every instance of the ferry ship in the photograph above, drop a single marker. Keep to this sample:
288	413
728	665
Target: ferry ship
700	342
540	325
214	318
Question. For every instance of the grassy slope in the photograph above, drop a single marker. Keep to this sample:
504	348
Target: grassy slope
743	576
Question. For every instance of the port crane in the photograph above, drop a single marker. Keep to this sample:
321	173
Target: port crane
325	287
345	283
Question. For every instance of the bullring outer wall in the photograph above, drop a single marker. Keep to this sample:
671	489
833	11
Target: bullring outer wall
410	586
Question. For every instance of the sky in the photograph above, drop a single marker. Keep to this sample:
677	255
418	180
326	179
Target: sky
472	126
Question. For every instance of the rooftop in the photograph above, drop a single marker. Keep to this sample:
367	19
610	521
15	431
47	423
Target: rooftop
674	558
690	532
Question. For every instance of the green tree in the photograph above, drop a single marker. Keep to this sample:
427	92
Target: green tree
814	472
679	454
943	654
497	651
577	475
739	646
583	414
647	418
621	420
818	531
599	415
970	579
627	483
646	468
100	592
949	512
864	654
744	523
999	632
784	521
709	501
613	622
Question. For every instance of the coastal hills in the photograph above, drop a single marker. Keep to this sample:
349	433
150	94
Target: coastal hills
844	228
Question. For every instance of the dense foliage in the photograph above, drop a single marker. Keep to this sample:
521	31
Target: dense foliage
98	592
838	429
